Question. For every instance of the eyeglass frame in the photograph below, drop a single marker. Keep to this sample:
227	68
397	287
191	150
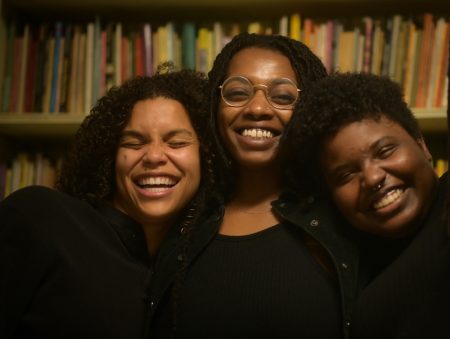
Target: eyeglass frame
262	87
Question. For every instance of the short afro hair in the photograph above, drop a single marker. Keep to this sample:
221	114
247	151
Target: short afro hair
334	102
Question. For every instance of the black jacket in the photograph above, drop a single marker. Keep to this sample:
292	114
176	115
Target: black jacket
315	217
410	297
74	270
70	270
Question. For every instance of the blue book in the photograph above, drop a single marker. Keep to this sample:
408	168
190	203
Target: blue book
188	39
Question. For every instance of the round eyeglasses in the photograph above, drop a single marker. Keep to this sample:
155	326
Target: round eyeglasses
237	91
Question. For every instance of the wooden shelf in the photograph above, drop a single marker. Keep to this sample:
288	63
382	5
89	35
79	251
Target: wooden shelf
64	125
432	120
39	125
210	10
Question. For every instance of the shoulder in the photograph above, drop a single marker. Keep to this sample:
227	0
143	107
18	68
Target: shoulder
38	207
36	199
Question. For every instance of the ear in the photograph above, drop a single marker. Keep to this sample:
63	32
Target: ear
424	148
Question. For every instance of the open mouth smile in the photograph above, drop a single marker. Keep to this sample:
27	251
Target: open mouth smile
258	133
389	198
156	184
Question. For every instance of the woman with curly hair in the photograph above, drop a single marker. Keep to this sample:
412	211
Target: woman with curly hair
81	262
365	148
262	271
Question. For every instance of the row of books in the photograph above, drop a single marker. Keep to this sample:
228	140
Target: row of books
35	169
27	169
66	67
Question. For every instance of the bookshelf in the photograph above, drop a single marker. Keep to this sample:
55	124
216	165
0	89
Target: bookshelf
49	129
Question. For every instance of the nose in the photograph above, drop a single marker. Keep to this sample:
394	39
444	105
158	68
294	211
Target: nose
373	176
259	108
154	155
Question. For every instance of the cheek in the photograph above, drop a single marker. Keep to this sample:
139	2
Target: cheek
285	116
345	199
190	161
121	162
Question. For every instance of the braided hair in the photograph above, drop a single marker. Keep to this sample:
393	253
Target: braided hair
308	69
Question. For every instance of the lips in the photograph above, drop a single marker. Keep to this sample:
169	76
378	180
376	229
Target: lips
156	184
387	198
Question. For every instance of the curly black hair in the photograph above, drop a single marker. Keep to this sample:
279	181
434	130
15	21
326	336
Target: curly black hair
332	103
306	65
88	169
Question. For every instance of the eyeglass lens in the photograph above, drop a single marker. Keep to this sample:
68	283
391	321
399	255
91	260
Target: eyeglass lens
238	91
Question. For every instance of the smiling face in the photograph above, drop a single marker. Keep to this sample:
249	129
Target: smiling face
157	163
380	178
251	133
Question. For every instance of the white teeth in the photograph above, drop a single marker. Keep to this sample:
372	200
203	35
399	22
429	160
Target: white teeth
388	198
257	133
152	181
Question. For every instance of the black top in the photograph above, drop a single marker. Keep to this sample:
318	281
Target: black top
264	285
70	270
410	297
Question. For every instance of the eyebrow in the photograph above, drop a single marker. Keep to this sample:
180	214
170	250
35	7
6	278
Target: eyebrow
377	144
180	131
135	134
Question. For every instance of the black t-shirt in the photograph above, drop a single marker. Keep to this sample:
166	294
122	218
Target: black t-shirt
263	285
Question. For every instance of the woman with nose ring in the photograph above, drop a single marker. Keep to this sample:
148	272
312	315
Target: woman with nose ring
261	268
363	144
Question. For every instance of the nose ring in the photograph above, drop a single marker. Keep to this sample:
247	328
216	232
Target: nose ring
377	187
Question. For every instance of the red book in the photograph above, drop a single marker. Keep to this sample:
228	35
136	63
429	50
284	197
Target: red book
368	36
139	55
425	60
125	59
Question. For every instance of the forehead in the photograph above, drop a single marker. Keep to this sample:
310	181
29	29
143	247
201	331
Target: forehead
260	64
361	135
157	112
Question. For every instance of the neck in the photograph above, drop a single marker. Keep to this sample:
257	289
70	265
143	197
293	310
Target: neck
257	187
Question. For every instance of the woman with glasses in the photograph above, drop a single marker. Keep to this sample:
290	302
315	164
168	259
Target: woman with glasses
264	267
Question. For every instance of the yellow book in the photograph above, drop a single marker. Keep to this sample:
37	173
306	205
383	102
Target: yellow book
254	27
163	55
412	37
204	50
346	51
378	48
295	26
441	167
